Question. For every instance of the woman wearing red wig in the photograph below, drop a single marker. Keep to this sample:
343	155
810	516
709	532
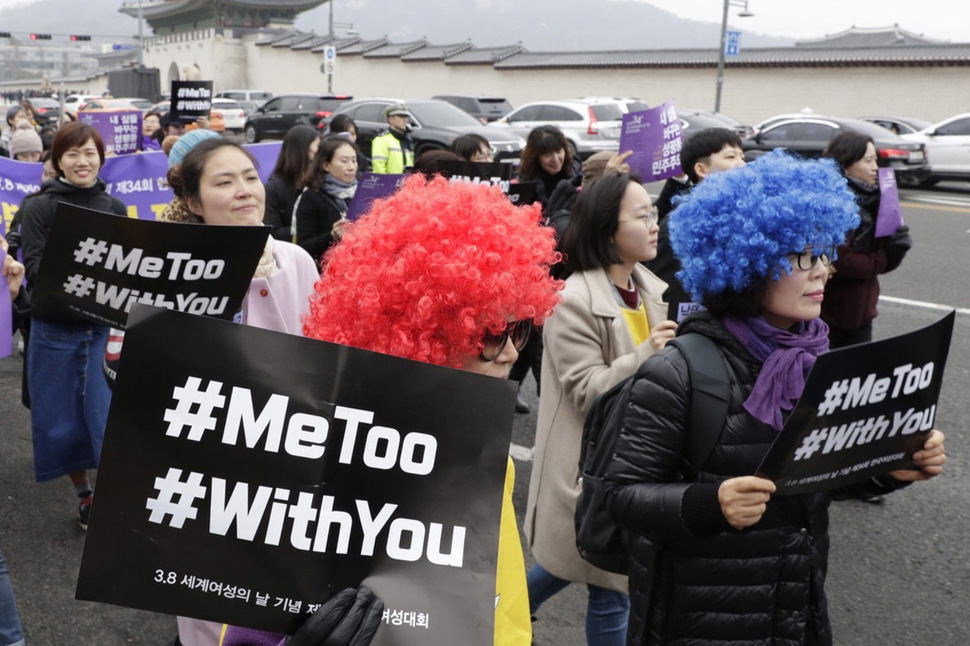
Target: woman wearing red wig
454	275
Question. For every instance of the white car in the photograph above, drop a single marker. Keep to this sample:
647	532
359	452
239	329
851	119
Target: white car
947	148
74	102
233	114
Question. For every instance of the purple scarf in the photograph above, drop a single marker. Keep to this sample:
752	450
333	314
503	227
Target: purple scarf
787	357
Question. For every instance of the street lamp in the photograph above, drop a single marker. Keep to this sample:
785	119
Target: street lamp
720	55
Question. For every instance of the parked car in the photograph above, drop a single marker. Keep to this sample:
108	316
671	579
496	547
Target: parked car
947	147
274	118
693	120
249	107
809	135
435	124
74	102
142	104
46	111
233	116
899	125
109	104
483	108
631	104
259	96
589	125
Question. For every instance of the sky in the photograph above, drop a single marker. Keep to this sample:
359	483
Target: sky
805	19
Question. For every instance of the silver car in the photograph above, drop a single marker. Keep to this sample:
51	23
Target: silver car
947	148
590	125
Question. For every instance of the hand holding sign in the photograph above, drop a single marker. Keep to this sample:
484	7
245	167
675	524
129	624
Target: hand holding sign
929	461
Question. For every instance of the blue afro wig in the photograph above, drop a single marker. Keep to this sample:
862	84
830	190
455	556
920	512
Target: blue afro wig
737	227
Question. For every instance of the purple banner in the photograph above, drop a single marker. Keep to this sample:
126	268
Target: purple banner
120	129
138	180
372	186
655	136
890	215
6	315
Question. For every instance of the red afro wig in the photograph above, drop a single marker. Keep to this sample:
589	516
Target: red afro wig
428	270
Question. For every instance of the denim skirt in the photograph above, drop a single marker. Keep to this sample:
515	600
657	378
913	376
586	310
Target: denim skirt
69	396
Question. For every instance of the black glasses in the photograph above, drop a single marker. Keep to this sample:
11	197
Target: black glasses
493	344
807	259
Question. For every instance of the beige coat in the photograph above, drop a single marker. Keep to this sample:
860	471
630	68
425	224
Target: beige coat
588	349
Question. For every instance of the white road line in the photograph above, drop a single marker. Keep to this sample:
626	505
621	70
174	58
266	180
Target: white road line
924	304
520	453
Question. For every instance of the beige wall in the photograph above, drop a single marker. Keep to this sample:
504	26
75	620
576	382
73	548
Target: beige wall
750	94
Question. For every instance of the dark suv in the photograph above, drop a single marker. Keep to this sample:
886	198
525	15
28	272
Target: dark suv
435	124
274	118
483	108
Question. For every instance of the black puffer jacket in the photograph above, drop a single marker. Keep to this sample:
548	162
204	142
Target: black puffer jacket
695	580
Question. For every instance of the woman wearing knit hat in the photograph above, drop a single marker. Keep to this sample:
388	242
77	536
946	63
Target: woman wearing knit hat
717	558
25	145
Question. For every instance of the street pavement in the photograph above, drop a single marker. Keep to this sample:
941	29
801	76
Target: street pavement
899	571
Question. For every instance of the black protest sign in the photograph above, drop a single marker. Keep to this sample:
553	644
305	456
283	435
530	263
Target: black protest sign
190	100
677	311
96	265
248	475
488	173
864	411
522	193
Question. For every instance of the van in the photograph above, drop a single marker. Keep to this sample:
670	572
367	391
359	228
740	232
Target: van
259	96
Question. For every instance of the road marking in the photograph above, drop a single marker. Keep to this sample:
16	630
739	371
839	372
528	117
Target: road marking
520	453
924	304
938	205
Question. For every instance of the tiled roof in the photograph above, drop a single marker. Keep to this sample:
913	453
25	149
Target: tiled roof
396	50
870	37
363	46
945	54
437	52
484	55
317	45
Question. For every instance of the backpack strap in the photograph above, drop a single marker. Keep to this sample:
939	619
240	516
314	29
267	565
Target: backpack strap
710	394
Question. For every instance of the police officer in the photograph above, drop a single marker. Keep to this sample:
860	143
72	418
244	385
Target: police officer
393	151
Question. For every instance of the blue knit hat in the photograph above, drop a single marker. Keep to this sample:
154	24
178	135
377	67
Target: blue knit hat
187	142
738	226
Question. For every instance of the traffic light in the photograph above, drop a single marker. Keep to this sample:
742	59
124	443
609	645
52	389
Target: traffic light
76	37
40	36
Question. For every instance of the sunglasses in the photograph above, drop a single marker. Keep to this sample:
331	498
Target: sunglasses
493	344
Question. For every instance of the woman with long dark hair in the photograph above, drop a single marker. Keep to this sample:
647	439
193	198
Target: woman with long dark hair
300	145
547	159
851	296
611	320
321	210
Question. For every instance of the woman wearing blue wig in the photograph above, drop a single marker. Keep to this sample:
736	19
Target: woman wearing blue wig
715	558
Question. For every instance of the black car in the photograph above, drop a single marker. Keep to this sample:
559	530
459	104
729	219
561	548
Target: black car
809	135
274	118
46	111
434	125
483	108
694	120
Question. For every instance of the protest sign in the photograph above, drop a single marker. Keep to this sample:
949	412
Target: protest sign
190	100
677	311
655	136
370	187
96	265
890	216
6	315
119	129
864	411
489	174
247	475
138	180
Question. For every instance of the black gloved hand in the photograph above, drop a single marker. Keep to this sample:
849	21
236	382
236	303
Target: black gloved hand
349	618
901	240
